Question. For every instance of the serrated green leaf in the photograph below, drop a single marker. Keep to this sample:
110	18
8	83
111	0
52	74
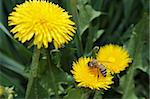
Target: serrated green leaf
128	87
51	79
76	93
38	92
135	47
86	15
52	76
142	30
97	35
127	81
93	35
56	57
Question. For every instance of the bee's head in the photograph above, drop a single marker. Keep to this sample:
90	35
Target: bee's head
92	63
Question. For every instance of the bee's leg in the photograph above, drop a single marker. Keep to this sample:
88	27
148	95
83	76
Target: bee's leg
98	73
98	76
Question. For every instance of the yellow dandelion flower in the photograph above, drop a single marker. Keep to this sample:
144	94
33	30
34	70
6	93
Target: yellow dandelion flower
90	77
114	57
43	21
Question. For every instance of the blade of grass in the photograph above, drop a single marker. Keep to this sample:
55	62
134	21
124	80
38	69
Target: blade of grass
5	30
12	65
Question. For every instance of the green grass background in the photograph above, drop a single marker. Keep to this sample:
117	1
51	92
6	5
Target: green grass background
98	22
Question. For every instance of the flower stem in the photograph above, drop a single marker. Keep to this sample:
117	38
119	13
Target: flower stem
33	72
97	95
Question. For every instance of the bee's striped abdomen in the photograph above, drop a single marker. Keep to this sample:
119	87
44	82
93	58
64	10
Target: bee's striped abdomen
103	70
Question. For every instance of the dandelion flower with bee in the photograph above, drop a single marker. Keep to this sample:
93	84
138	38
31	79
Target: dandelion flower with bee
90	77
43	21
113	57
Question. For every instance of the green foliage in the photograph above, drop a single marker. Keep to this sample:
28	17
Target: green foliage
136	49
86	14
12	65
76	93
98	22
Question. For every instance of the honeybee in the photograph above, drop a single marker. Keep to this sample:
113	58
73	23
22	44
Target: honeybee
101	67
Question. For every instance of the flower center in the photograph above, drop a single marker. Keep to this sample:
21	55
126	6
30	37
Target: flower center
42	21
111	59
39	21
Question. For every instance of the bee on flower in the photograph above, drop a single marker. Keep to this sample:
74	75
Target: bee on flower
96	73
90	77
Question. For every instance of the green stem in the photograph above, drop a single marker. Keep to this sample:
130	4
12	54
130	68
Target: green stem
33	72
98	95
86	93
